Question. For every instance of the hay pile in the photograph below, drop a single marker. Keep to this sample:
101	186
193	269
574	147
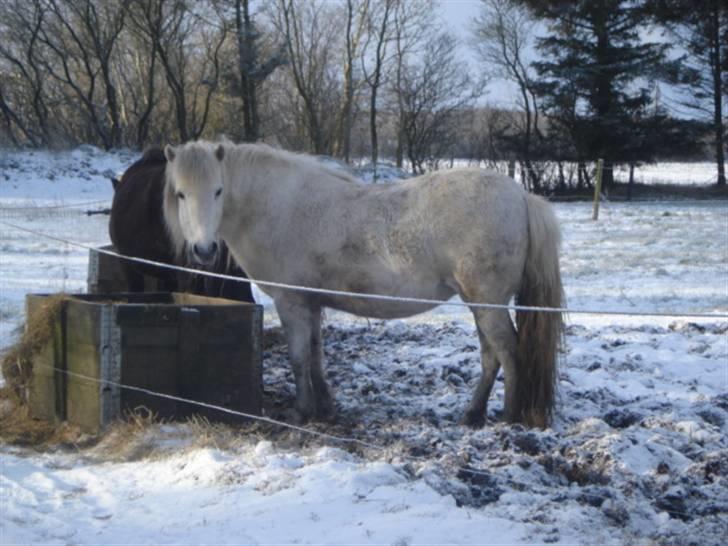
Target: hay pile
17	361
16	424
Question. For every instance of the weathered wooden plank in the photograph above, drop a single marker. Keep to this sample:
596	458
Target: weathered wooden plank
84	318
106	274
154	369
46	392
150	335
188	357
84	394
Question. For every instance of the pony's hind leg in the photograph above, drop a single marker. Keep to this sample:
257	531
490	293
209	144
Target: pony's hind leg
301	322
475	414
497	348
325	408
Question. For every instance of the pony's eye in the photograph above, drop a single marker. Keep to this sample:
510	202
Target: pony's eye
218	193
180	196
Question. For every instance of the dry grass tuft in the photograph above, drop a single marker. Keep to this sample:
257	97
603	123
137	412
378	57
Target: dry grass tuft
17	427
129	439
16	424
17	361
206	434
142	435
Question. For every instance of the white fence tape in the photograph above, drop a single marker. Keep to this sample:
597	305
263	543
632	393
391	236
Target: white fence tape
381	297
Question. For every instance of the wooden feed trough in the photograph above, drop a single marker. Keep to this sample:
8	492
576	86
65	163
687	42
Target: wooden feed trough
106	274
194	347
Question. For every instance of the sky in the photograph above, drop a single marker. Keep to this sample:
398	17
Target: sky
458	16
459	13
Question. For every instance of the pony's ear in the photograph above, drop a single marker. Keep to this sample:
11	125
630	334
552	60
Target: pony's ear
220	152
169	152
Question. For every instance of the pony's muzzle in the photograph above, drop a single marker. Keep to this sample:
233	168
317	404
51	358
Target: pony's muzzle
204	253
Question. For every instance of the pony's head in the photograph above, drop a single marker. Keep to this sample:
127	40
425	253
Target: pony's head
193	197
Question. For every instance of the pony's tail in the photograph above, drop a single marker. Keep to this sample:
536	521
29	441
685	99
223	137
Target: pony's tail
539	333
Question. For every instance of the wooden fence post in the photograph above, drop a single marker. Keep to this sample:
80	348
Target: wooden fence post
597	189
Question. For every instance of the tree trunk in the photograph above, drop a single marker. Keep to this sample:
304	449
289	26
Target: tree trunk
246	62
176	86
718	94
12	118
607	176
631	182
534	184
347	122
143	124
584	179
344	125
603	95
399	153
375	82
373	129
113	105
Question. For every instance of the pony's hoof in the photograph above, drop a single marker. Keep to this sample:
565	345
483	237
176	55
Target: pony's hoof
326	410
473	419
326	415
301	416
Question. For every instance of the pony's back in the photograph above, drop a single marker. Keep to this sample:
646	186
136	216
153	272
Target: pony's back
152	160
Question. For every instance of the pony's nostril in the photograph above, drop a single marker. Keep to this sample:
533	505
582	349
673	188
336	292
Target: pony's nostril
213	247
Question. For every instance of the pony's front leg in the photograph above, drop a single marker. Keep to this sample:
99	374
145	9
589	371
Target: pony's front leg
301	320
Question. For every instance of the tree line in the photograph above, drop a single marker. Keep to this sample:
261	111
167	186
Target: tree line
373	78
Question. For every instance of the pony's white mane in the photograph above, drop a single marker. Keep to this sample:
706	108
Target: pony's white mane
261	155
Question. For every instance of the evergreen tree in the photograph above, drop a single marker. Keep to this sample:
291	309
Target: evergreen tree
596	75
701	28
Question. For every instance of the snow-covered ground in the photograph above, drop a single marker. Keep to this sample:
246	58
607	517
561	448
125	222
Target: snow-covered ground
667	172
638	452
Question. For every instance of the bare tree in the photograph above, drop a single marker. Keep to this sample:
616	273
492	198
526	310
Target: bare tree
310	31
482	133
123	72
380	23
80	41
252	69
433	91
188	38
22	84
138	70
357	18
411	25
502	35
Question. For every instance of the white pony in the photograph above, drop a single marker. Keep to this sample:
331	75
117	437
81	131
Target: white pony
287	218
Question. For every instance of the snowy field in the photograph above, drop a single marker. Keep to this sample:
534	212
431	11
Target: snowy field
694	173
637	454
667	172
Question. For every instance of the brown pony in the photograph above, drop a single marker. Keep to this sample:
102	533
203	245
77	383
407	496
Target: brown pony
137	228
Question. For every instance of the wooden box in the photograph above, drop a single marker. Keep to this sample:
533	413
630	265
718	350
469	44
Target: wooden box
106	274
107	350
